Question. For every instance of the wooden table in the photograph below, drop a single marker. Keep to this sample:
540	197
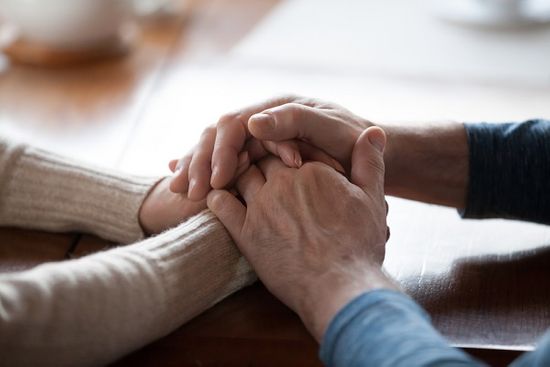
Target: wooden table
484	283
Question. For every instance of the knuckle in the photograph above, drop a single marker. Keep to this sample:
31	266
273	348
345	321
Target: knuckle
209	130
186	160
218	202
308	167
230	119
283	178
311	168
224	120
308	101
295	110
377	164
287	97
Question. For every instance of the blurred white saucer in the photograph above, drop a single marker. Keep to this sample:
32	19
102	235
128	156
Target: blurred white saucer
495	13
67	24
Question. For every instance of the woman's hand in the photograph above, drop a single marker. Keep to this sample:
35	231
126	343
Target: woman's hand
162	209
296	129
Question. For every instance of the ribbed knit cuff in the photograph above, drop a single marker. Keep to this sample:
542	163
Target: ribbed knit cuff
44	191
200	266
509	171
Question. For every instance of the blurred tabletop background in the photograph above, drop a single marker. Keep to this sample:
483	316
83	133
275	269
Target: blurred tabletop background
486	284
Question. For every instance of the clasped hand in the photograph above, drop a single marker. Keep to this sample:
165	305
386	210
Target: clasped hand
314	238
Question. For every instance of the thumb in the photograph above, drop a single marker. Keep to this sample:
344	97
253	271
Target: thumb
296	121
229	211
367	161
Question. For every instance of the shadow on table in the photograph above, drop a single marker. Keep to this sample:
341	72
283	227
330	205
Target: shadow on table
492	300
249	328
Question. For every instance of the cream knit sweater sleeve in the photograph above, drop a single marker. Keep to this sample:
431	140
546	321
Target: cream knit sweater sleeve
41	190
91	311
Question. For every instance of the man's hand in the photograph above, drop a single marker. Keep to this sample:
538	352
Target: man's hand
296	129
315	239
162	209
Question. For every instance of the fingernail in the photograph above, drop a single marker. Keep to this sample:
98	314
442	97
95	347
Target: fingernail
215	172
173	162
243	158
177	172
377	139
192	185
287	157
297	160
240	170
266	120
338	166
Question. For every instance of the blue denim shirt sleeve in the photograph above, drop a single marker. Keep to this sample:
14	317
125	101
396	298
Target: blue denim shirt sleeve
538	358
509	171
387	328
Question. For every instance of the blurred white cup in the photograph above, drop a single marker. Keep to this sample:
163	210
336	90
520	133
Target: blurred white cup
504	8
495	13
67	24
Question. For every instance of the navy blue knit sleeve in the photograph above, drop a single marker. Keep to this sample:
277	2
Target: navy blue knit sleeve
509	171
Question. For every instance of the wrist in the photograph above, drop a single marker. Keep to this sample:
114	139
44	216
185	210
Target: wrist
148	209
427	162
333	291
394	138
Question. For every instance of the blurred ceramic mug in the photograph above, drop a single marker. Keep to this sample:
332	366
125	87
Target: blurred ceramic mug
68	24
503	8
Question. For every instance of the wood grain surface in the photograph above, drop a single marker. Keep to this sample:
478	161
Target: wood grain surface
22	249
